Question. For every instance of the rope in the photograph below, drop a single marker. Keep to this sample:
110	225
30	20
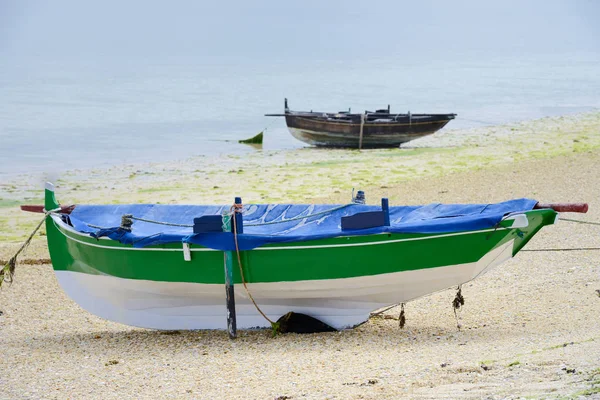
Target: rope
270	125
126	223
579	221
7	272
159	222
571	249
362	124
96	226
126	217
274	325
374	314
287	220
479	121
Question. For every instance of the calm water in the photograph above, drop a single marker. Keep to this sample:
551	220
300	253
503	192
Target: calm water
72	114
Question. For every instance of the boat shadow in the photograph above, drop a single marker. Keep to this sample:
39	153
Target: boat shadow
374	335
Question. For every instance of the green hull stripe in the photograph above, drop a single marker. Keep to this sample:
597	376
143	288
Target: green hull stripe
334	258
291	247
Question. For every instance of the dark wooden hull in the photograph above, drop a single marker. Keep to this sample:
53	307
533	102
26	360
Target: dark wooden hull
329	132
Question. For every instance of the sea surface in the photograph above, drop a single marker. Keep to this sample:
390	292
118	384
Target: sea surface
70	113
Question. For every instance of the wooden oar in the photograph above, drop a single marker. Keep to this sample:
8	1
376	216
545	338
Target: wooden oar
564	207
40	209
558	207
301	114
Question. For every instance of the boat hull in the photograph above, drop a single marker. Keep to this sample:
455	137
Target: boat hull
319	132
338	281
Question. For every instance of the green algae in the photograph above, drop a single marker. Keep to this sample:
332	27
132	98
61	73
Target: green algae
593	379
5	203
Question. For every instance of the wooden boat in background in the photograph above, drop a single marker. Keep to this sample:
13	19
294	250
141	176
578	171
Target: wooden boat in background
378	129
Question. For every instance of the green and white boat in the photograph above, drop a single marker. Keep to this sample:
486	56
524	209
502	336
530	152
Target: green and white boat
298	258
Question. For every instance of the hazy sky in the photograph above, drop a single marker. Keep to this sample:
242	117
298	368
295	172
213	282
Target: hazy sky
280	29
101	74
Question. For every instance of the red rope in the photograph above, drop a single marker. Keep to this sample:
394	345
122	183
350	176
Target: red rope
235	209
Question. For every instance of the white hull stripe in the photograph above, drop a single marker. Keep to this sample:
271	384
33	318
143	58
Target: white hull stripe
341	303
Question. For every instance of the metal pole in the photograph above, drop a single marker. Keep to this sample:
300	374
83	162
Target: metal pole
362	124
229	289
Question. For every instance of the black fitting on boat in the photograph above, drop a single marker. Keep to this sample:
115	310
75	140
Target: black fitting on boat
359	198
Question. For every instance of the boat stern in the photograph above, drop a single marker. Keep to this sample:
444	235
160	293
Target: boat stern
524	226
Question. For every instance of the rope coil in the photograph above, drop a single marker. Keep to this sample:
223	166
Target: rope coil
126	222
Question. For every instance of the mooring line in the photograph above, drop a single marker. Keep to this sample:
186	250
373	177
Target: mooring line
570	249
7	272
580	221
274	325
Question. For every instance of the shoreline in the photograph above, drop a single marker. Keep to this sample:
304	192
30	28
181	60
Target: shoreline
511	136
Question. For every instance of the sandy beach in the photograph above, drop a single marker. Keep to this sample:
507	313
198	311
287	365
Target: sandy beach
530	328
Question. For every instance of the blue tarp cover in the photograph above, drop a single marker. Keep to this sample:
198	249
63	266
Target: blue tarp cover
431	218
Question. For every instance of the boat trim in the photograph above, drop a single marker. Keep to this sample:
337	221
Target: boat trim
62	225
320	119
